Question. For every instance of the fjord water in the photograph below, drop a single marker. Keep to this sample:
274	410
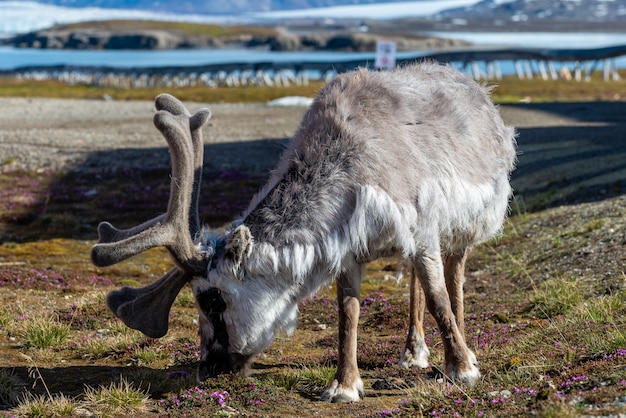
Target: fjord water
13	58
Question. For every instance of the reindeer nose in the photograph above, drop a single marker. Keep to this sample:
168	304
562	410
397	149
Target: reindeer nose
211	301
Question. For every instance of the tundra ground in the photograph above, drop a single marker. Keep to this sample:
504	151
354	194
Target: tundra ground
545	302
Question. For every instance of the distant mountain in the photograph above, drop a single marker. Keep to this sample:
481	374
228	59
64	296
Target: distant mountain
530	11
30	15
209	6
407	16
538	11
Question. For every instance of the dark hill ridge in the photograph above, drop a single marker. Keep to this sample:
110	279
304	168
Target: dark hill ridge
101	35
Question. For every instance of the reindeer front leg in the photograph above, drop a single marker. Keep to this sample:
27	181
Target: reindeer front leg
347	385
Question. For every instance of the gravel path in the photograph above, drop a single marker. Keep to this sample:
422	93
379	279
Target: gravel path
564	148
91	135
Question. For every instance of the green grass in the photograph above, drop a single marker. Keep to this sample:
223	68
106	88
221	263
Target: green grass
5	315
210	30
185	298
287	379
512	90
45	332
607	310
557	297
508	90
316	379
10	87
151	355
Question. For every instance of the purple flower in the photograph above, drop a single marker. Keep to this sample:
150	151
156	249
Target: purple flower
220	397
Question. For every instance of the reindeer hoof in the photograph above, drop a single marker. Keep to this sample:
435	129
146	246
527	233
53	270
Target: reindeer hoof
337	392
472	357
415	352
469	376
415	358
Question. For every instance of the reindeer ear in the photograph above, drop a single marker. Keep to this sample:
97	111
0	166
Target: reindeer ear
238	246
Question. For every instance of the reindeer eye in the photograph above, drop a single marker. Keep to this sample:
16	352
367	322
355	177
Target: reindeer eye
211	301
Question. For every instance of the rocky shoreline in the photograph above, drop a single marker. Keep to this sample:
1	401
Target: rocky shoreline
152	39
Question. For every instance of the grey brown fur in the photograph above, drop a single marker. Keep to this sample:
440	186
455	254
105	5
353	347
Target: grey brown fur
415	161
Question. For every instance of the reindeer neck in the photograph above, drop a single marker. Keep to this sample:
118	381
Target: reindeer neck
311	192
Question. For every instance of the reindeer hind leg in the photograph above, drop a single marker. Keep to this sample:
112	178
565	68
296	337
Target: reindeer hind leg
458	359
454	272
415	353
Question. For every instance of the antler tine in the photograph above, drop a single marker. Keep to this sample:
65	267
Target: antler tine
147	309
109	233
167	230
176	107
195	124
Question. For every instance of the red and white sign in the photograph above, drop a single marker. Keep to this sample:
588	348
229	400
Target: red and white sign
385	55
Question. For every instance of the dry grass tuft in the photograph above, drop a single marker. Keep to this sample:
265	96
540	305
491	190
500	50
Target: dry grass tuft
120	398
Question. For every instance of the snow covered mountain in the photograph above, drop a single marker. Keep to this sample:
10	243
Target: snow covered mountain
541	11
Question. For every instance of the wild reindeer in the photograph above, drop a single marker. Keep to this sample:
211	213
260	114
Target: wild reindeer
414	161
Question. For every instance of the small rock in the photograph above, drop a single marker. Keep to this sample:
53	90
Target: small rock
392	383
502	393
382	384
83	412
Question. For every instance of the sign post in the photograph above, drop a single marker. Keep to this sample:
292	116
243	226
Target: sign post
385	55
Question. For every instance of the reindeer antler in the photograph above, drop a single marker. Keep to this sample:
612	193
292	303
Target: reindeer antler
176	229
169	103
147	309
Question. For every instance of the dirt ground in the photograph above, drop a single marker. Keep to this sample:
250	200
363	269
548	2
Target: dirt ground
568	152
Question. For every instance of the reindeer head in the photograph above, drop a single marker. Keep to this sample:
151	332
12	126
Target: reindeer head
218	305
195	252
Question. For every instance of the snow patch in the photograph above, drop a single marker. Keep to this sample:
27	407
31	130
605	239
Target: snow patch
291	101
27	16
382	11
